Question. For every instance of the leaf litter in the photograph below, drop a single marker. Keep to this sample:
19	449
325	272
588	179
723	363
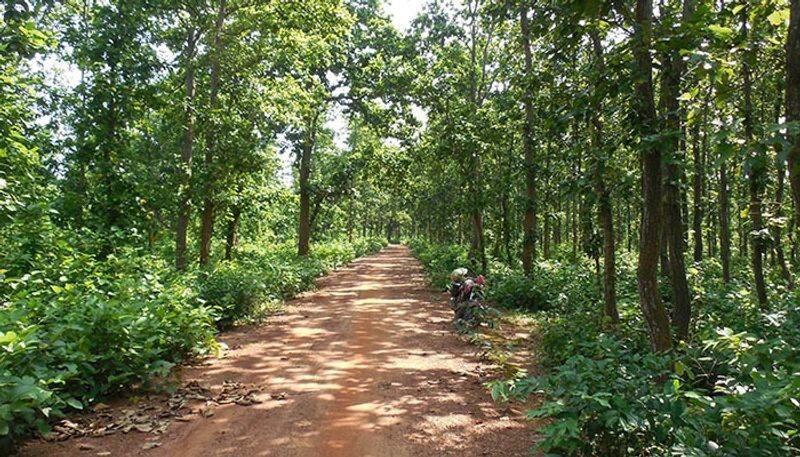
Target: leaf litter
187	403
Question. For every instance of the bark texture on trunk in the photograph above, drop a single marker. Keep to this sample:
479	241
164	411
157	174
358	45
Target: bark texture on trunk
699	154
777	234
756	172
187	151
306	151
647	275
604	207
232	237
671	76
793	101
673	223
529	223
724	220
207	217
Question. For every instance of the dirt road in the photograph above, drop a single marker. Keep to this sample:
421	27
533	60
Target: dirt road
366	366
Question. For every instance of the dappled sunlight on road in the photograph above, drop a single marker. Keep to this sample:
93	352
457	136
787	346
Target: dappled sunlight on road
365	366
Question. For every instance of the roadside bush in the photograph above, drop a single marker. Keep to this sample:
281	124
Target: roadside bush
233	291
440	260
86	329
517	291
732	389
81	329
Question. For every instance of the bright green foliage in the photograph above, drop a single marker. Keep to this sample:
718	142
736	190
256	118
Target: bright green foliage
730	391
200	132
439	260
259	275
84	329
97	167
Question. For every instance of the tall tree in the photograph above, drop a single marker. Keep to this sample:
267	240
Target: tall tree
604	207
529	224
671	78
756	164
306	150
207	216
793	101
187	145
644	106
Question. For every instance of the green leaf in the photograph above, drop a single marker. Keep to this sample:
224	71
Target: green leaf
779	17
75	403
8	337
721	32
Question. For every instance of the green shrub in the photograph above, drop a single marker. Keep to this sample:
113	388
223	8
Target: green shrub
98	327
731	390
81	329
233	291
440	260
517	291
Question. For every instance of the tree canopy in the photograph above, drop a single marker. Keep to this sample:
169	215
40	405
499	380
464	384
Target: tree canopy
655	145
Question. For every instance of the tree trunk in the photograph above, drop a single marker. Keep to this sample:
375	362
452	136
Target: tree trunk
306	150
698	183
232	238
756	172
506	226
663	234
777	232
604	207
529	223
478	247
673	223
647	275
187	150
724	220
207	217
793	102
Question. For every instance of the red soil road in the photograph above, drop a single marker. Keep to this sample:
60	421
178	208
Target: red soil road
369	367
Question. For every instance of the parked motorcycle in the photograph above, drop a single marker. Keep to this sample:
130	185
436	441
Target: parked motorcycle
466	299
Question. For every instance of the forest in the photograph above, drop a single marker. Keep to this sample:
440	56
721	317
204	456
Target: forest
625	173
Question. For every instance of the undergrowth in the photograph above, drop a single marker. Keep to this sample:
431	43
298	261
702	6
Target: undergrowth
74	328
732	389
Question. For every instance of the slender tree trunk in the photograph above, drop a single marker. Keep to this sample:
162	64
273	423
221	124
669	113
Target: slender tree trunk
793	103
744	237
647	276
306	150
673	223
529	223
756	172
724	220
477	237
351	215
698	183
506	226
207	217
575	212
187	150
663	234
232	238
604	207
628	226
684	193
109	175
777	232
